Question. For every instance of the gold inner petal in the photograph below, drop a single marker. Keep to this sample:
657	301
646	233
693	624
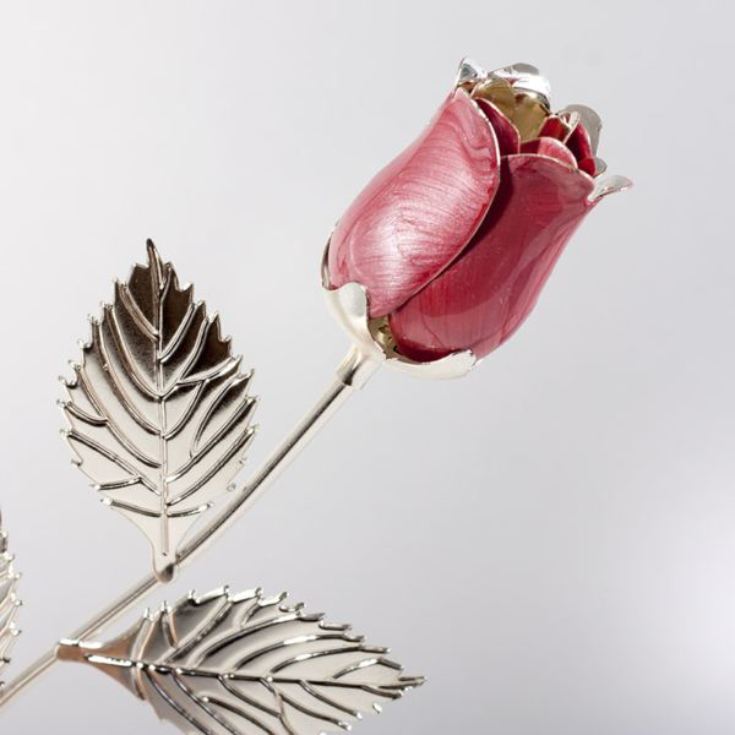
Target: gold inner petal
524	110
529	116
500	93
380	329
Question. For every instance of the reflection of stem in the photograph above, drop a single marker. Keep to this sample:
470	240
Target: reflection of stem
352	374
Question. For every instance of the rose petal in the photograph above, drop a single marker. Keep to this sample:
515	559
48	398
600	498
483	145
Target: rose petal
555	127
600	166
483	298
469	73
527	78
509	139
499	93
419	213
591	121
529	116
589	166
552	148
609	185
579	144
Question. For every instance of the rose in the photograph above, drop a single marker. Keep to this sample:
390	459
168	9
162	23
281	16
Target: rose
454	240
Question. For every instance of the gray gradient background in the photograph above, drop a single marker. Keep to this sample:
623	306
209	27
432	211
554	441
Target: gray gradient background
551	540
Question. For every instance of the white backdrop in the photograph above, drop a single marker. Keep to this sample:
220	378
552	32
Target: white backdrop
551	540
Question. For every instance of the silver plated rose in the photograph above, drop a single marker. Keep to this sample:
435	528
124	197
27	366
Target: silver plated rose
437	262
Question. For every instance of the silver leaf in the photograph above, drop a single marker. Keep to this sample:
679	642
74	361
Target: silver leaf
158	410
248	665
9	602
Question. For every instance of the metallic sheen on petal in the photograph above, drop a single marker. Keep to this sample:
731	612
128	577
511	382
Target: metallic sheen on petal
484	297
419	213
526	112
469	73
591	121
500	93
529	116
610	185
600	166
509	140
526	78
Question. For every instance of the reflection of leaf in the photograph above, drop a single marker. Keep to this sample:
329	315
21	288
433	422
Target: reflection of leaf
158	411
9	602
248	665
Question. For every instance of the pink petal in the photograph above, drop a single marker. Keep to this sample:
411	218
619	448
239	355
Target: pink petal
580	145
590	119
509	139
589	166
552	148
421	211
484	297
555	127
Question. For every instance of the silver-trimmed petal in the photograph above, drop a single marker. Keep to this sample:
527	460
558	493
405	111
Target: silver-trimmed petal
571	119
609	185
526	78
469	73
590	119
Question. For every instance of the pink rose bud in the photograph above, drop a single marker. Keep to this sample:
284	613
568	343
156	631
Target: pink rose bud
454	240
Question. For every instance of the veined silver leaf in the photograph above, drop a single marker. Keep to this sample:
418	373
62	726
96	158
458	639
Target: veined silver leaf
158	410
248	665
9	602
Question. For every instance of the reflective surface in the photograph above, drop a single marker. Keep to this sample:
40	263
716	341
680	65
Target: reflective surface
248	664
149	283
9	602
159	412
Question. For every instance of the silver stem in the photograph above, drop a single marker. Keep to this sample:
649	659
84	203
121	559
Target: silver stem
352	374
